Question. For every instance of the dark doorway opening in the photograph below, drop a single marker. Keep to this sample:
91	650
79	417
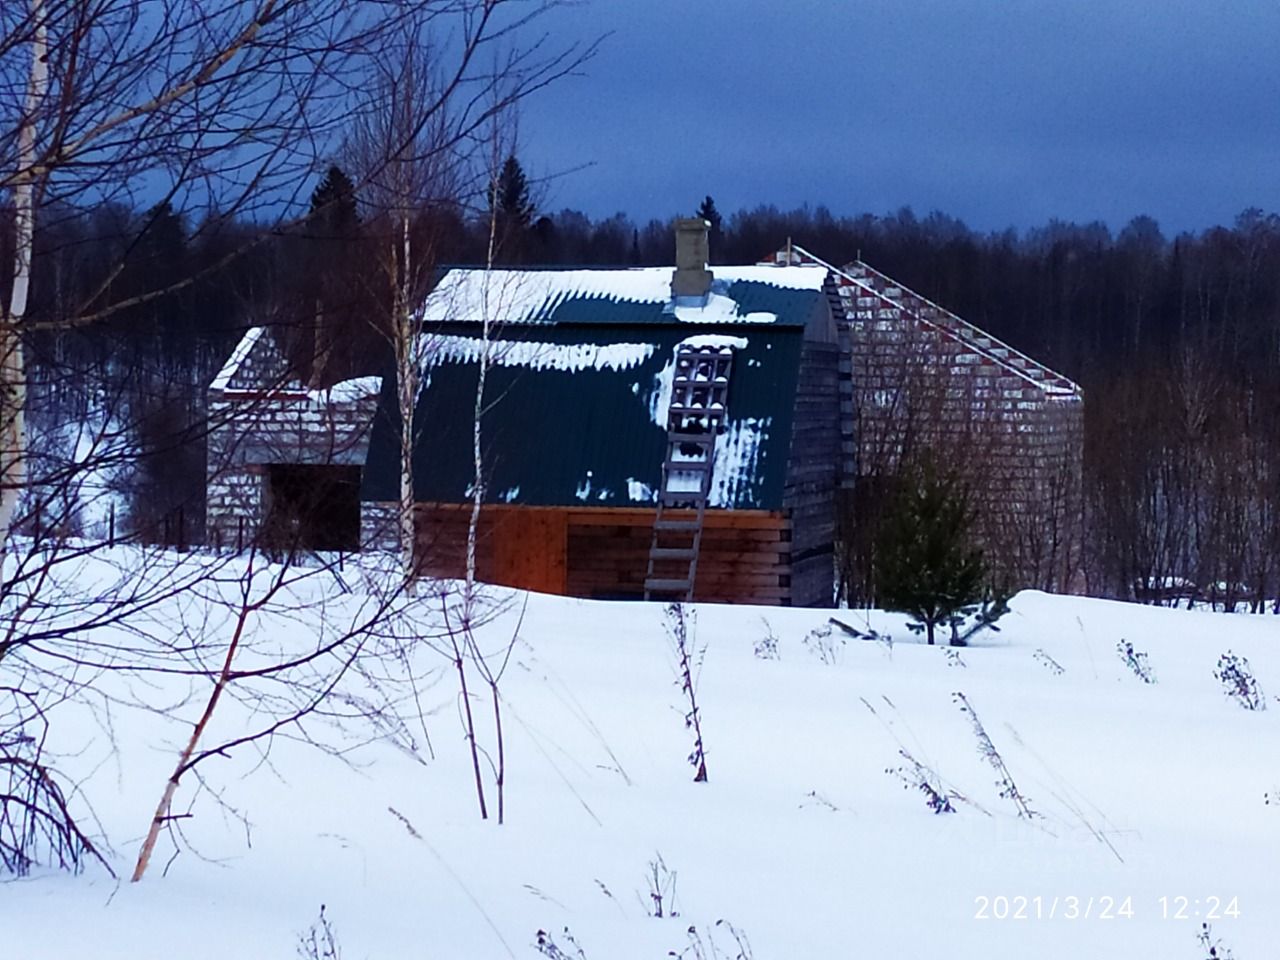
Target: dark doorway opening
312	507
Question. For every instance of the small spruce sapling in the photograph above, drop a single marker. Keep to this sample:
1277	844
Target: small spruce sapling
925	565
972	619
1238	681
1136	661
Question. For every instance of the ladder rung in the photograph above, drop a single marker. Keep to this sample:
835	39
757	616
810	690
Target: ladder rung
689	525
667	586
691	466
672	553
698	438
714	410
683	496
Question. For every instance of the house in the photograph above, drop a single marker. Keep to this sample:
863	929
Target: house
918	379
645	433
658	433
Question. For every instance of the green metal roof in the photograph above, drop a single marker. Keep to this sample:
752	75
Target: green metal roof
593	436
789	307
575	405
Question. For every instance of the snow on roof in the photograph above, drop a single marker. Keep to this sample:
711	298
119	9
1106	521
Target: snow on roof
238	356
531	296
570	357
230	378
714	341
348	391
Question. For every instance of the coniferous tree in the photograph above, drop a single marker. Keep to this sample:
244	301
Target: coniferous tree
925	564
333	206
512	202
514	199
708	212
327	284
158	262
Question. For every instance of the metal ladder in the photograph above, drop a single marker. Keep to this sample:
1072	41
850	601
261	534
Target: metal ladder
699	399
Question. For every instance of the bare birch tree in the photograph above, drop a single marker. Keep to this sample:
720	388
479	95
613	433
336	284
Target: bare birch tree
13	392
225	112
235	105
401	146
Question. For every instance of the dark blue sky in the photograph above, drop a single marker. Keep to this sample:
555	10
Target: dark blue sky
1000	112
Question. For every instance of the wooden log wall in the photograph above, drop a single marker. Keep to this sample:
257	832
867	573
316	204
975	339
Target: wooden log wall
809	496
603	553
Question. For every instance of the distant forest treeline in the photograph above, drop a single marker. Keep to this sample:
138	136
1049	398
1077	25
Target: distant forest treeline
1176	340
1082	298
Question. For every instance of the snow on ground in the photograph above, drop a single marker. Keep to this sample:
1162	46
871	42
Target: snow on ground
98	453
799	839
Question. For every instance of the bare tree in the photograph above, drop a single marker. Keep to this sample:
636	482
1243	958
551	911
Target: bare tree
229	638
13	439
407	153
223	112
234	105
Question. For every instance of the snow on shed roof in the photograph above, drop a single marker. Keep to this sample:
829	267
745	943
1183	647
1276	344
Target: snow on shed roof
739	295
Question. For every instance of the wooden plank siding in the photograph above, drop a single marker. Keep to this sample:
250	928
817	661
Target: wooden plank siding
809	496
603	552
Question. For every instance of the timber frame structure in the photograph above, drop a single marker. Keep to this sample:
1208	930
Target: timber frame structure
919	381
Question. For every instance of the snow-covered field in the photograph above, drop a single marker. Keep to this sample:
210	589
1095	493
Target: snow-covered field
1150	801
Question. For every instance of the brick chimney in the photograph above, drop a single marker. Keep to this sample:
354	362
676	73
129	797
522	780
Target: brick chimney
691	277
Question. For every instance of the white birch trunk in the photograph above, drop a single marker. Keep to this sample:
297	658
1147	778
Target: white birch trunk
13	374
408	373
477	492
